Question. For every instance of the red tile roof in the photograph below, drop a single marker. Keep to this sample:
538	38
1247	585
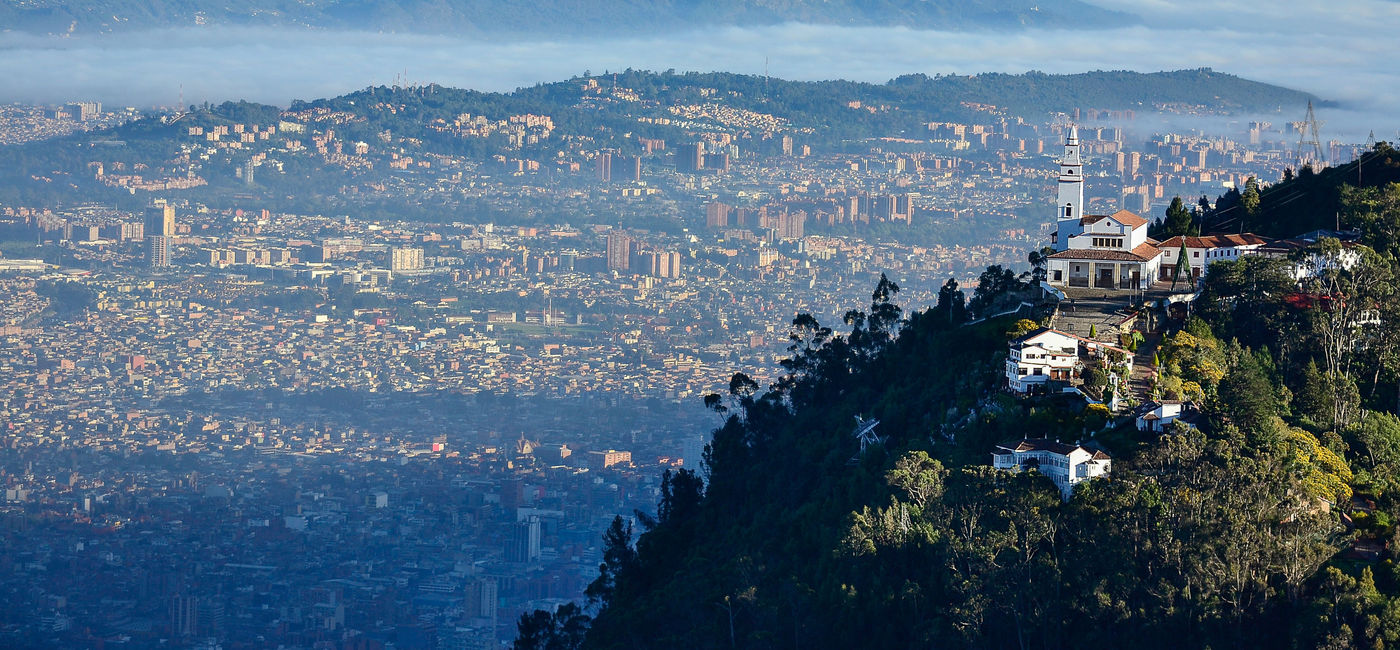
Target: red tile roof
1142	253
1215	241
1122	216
1052	446
1128	219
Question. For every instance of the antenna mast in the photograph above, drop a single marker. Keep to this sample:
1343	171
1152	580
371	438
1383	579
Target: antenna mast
765	78
1308	139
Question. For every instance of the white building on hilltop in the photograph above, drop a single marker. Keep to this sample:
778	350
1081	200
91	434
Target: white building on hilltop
1101	251
1201	252
1066	465
1046	355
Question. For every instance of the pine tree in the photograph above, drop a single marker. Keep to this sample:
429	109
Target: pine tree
1183	265
1178	221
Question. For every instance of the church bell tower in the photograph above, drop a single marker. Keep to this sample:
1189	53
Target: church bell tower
1070	197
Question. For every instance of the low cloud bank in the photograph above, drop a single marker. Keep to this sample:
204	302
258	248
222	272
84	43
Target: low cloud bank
1339	51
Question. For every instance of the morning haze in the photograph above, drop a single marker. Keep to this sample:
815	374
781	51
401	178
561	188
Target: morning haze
439	325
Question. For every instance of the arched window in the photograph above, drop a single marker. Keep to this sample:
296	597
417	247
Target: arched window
1069	210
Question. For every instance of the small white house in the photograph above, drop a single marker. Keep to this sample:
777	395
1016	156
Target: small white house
1155	418
1066	465
1051	355
1039	357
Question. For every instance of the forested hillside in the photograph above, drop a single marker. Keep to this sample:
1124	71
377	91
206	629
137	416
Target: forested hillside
1346	196
1272	524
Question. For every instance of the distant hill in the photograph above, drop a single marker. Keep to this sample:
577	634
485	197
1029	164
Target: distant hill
901	107
820	112
581	17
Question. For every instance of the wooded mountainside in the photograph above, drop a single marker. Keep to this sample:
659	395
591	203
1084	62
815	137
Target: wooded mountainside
1271	525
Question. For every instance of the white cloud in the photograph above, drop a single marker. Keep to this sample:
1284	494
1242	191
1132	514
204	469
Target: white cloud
1338	50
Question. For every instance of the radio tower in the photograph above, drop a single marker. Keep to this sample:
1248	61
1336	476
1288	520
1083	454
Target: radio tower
865	433
1308	139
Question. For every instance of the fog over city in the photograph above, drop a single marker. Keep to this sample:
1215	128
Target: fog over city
485	324
1335	50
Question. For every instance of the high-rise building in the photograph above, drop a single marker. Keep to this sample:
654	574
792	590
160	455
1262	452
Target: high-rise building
523	545
405	258
159	228
160	221
628	168
716	215
690	157
693	452
604	162
158	251
184	615
619	251
211	617
670	265
790	225
482	598
83	111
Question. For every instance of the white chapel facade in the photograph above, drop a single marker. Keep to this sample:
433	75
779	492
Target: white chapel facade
1099	251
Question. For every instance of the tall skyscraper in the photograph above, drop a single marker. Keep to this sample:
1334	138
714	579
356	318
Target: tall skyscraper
160	227
184	615
482	596
605	161
619	251
160	220
158	251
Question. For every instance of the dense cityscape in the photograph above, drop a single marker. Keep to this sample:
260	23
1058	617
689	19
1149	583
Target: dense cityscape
227	425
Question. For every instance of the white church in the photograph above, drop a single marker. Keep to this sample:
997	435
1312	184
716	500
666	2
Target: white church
1098	251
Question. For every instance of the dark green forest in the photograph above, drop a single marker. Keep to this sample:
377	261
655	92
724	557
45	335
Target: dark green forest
1355	195
1272	524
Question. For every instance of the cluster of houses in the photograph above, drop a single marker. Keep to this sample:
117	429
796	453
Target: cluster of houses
1110	252
1114	251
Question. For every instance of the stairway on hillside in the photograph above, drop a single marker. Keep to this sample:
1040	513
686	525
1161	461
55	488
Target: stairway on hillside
1139	383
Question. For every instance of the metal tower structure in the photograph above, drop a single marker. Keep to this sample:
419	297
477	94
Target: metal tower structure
1309	143
865	433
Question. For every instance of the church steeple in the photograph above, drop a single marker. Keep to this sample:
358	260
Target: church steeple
1070	196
